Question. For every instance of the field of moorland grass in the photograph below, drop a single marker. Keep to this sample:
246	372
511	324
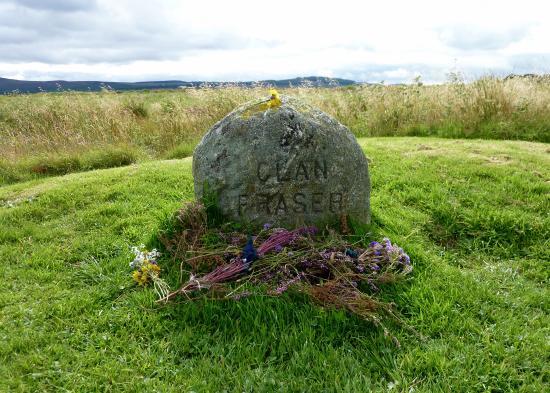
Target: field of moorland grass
57	133
473	215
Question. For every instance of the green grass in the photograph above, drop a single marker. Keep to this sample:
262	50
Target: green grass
41	165
473	215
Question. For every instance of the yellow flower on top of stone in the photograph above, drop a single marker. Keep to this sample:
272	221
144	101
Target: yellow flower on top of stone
274	101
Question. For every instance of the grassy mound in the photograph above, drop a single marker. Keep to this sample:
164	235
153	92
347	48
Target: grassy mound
472	215
60	164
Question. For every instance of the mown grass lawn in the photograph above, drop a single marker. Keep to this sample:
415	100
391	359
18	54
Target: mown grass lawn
473	215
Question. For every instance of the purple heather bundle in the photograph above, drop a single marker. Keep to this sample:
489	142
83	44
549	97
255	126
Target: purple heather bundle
334	273
282	237
385	253
224	273
285	285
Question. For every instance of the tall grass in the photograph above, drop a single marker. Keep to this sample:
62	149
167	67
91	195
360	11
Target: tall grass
169	123
154	122
488	108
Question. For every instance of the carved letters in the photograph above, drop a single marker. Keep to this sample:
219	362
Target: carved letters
299	202
282	172
283	202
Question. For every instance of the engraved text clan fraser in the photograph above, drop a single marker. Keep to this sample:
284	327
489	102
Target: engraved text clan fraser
281	202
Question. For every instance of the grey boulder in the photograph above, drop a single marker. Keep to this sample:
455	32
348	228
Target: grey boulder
289	166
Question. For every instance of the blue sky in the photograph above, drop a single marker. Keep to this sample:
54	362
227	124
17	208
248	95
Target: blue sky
373	41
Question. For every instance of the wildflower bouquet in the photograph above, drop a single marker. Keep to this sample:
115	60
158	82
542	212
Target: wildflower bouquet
146	269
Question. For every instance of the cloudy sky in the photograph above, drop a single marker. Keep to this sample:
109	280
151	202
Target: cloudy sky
234	40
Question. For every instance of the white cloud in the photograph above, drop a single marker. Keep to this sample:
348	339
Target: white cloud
250	40
476	38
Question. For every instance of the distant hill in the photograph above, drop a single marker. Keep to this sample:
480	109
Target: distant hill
22	86
532	77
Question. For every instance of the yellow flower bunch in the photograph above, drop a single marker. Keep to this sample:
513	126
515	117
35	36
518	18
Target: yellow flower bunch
145	265
148	270
274	101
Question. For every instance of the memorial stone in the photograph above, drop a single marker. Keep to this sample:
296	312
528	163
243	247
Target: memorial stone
289	165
